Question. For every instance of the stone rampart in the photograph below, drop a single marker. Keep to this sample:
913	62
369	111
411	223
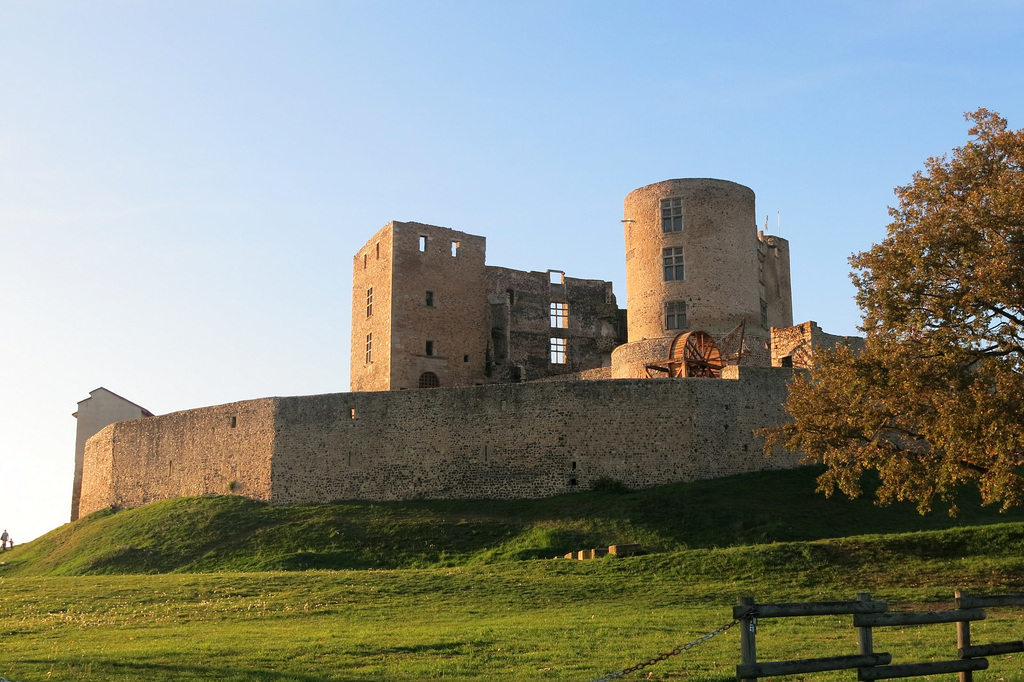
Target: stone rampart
506	441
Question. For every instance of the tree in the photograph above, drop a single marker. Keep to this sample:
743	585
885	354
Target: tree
936	400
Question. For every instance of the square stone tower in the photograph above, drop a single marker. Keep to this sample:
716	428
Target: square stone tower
420	315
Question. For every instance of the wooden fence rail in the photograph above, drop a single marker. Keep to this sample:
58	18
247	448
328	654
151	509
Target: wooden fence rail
869	614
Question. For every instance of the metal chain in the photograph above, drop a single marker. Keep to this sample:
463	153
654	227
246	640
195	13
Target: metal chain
662	657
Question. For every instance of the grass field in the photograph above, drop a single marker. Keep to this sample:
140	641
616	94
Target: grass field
485	616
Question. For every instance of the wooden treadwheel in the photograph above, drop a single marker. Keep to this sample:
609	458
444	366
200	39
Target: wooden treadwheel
695	355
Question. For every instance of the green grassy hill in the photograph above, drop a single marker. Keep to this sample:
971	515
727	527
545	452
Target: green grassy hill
228	533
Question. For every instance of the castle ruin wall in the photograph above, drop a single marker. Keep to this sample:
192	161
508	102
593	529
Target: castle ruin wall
507	441
219	449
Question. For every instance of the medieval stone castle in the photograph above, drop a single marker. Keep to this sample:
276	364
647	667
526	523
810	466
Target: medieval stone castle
470	380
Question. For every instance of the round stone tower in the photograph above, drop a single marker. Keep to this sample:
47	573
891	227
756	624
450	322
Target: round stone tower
695	261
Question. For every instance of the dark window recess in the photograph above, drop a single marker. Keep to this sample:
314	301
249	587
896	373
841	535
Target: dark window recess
465	358
233	422
429	380
572	481
673	262
787	361
430	347
574	465
430	298
675	315
671	215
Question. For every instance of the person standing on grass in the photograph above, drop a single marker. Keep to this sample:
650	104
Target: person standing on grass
3	541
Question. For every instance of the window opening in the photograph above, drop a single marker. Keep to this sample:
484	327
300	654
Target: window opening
364	261
556	277
423	242
233	422
671	215
369	348
764	314
455	249
574	465
465	358
675	315
369	302
429	380
560	315
430	347
352	413
673	262
511	296
557	351
378	250
430	298
572	481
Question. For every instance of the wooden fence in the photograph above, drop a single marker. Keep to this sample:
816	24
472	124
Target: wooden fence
867	615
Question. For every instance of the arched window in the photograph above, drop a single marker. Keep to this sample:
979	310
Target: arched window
429	380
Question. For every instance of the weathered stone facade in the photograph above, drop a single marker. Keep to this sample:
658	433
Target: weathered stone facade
509	441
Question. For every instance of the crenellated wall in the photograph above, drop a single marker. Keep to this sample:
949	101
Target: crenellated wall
509	441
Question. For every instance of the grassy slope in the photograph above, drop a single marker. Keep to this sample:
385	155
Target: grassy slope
230	533
518	621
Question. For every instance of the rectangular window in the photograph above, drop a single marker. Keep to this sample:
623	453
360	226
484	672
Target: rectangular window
764	314
369	348
557	351
560	315
673	261
430	347
556	277
364	261
455	249
430	298
378	250
675	315
369	302
671	215
423	242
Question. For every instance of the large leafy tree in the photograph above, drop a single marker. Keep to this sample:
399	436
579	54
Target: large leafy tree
936	400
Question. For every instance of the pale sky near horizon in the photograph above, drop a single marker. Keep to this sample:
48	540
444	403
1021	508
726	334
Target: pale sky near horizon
183	184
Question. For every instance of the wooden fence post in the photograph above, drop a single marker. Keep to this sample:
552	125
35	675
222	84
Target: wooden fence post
864	634
963	638
748	635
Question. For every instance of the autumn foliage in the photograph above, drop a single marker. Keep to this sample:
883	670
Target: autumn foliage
936	401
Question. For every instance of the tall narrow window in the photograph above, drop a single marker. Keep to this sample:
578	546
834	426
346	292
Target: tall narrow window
423	242
764	314
369	348
671	215
557	351
369	302
560	315
455	249
675	315
378	250
430	347
673	261
430	298
364	261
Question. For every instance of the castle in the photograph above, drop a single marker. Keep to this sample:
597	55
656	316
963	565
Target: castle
470	380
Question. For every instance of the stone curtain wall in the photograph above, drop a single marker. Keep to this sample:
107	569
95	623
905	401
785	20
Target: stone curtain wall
524	440
219	449
509	441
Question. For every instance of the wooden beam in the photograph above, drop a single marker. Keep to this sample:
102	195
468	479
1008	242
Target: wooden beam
813	608
990	649
809	665
874	620
971	602
885	672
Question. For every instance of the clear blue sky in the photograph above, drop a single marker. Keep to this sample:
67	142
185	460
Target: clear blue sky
183	184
